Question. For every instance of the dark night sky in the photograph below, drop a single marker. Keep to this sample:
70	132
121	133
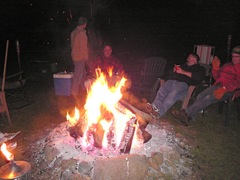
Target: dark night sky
158	24
176	24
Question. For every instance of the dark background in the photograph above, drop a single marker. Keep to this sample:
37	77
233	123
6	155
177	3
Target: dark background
140	28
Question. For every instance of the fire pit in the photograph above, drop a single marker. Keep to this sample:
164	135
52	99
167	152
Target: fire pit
106	142
60	156
107	124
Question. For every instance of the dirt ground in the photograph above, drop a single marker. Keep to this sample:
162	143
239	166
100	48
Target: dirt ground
215	148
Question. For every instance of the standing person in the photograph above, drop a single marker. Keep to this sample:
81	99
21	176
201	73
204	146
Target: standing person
176	86
79	54
227	79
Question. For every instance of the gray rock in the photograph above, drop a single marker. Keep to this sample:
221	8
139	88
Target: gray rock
122	167
70	164
158	157
84	168
51	152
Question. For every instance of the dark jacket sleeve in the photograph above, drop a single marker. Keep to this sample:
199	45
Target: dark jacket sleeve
198	74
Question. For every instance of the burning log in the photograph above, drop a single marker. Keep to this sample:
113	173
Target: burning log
146	135
140	114
98	134
143	120
75	126
73	132
127	138
76	131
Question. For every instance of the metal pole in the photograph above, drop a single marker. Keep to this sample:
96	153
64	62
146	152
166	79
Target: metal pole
18	55
229	40
5	66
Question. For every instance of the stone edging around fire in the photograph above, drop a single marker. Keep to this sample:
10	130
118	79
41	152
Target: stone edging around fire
164	156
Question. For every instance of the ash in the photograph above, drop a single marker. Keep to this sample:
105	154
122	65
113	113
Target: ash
60	156
160	139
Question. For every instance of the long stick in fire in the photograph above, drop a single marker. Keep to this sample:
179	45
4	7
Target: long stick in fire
140	114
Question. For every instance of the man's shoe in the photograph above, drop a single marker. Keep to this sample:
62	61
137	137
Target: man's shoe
152	110
182	116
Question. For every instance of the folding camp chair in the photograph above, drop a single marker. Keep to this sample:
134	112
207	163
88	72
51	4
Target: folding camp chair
185	101
230	101
14	87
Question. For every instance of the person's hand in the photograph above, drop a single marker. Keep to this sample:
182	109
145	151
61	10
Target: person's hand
216	63
176	68
218	93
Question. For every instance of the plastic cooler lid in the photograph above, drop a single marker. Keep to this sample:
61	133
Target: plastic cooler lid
63	75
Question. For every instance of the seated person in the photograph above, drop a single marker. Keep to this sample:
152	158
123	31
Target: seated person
227	79
176	86
104	62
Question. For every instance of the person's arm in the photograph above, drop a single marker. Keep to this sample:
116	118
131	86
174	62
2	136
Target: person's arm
235	82
186	73
196	72
216	67
178	69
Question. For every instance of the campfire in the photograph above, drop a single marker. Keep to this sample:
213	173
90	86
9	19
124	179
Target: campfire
108	139
105	141
107	123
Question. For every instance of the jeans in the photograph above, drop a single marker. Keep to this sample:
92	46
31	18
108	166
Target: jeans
168	94
204	99
78	76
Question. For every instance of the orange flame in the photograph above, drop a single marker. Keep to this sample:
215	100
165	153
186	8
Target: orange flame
110	71
74	119
6	153
100	107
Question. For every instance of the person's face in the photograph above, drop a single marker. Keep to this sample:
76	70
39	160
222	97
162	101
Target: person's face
235	58
107	51
191	60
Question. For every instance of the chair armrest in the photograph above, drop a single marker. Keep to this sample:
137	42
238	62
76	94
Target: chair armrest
234	93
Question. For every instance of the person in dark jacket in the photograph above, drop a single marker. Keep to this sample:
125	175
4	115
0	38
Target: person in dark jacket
227	80
176	85
105	62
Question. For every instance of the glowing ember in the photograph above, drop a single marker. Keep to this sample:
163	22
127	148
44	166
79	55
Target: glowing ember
105	118
6	153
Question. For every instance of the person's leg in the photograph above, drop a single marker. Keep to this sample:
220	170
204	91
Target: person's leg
203	100
163	92
78	76
177	92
